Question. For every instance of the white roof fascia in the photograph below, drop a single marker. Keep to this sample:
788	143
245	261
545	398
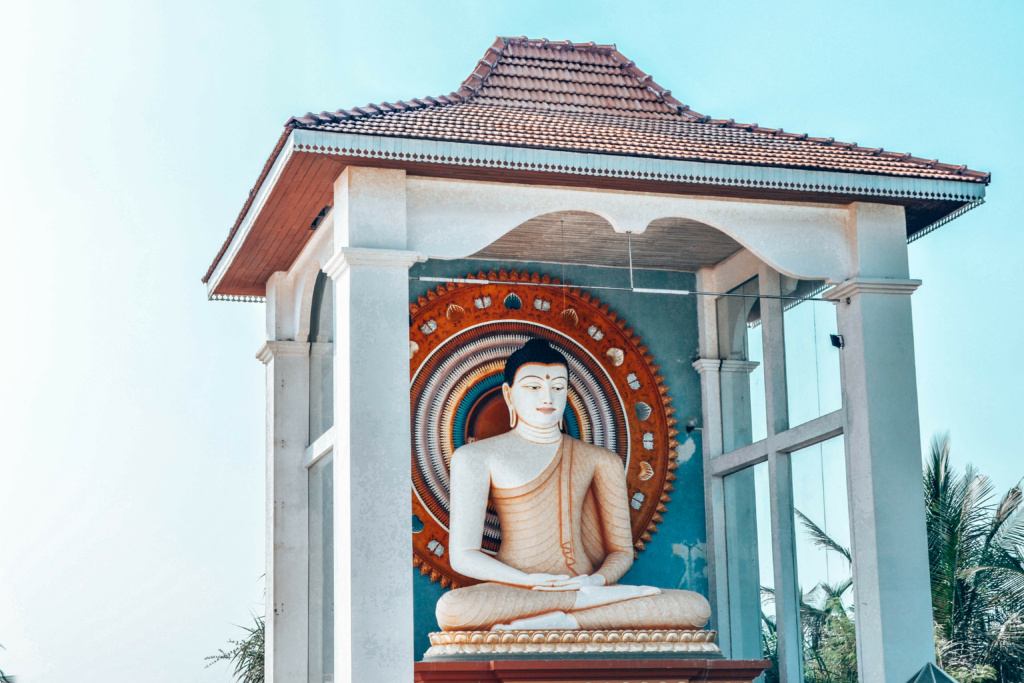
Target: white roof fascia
641	168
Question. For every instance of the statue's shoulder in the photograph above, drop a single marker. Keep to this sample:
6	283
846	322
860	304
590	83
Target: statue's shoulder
597	454
479	452
470	451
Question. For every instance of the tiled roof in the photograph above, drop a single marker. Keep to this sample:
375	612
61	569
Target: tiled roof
590	98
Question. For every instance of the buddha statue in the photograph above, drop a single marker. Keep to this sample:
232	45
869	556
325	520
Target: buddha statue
565	526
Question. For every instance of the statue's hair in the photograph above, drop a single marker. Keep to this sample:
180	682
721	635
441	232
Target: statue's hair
534	351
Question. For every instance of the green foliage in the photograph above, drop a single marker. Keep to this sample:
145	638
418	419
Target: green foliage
981	674
829	635
976	551
245	654
830	641
770	641
976	554
830	656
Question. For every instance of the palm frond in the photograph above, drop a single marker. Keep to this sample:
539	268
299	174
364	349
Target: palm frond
247	654
820	538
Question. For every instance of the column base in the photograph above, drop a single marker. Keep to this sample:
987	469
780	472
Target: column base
573	670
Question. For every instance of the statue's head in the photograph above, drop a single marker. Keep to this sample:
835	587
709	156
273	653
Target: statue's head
536	384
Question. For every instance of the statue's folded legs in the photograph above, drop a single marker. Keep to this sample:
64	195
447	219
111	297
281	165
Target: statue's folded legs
496	606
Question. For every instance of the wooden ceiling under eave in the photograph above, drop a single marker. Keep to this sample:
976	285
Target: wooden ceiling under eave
281	230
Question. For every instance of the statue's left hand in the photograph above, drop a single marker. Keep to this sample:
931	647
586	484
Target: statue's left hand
574	583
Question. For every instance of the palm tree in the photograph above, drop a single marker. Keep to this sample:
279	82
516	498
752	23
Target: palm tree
4	678
976	554
245	654
829	637
830	641
976	551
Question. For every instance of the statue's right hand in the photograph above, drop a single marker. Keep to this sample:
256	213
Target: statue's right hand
550	582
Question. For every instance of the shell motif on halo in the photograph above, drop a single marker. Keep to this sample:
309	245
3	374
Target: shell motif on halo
454	312
646	471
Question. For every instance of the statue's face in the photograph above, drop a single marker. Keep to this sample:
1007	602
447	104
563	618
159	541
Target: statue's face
538	394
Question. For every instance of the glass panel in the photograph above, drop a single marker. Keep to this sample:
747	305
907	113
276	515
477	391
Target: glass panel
321	358
321	571
824	570
748	549
742	374
813	385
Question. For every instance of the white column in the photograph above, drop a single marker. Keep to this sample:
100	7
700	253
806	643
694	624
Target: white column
711	439
714	500
883	450
884	479
740	513
780	481
373	589
287	511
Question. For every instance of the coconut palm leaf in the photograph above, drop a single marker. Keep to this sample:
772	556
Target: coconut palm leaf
977	570
820	538
976	554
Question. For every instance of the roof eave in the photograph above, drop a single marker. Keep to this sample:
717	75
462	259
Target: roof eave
969	192
250	210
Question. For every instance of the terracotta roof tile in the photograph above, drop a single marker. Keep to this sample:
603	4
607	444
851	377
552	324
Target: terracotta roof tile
590	98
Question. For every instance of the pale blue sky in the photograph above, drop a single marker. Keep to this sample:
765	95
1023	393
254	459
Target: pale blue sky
131	463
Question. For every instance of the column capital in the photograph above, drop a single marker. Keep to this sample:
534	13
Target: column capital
321	349
702	365
355	257
744	367
273	349
872	285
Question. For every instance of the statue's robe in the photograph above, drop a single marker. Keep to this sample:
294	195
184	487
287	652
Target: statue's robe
573	518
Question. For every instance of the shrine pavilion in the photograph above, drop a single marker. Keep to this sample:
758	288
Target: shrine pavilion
734	301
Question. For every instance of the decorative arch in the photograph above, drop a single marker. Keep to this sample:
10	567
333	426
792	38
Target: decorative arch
305	275
584	238
456	219
304	302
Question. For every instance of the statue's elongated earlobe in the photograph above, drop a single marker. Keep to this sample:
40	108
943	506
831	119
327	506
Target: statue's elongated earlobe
506	392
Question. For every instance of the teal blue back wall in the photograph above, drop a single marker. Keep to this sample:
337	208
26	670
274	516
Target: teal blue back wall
668	325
